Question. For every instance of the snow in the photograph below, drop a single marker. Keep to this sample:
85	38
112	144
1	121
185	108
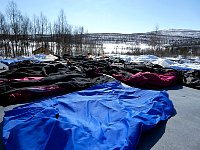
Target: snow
186	66
119	48
43	57
168	62
3	67
133	58
163	62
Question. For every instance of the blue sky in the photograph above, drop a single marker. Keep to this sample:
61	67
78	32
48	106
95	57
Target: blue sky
117	16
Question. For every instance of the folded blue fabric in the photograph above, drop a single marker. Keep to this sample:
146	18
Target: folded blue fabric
180	68
105	116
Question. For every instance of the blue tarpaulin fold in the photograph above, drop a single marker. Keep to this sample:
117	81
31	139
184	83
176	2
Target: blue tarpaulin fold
105	116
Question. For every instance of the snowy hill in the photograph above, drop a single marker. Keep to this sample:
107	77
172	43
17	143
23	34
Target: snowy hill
180	32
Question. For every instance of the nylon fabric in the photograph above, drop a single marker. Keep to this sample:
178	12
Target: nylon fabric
104	116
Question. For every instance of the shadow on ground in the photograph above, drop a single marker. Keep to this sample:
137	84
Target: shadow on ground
176	87
151	137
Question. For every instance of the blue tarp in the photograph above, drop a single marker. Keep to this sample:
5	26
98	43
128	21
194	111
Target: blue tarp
105	116
40	56
10	61
180	68
15	60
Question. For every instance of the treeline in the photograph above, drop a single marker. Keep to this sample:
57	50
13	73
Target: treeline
20	34
170	51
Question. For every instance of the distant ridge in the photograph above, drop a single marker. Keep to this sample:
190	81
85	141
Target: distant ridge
188	33
180	32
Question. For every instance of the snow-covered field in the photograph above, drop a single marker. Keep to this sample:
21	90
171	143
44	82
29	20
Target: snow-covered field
119	48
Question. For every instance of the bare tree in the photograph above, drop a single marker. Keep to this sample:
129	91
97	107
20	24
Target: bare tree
51	38
4	31
63	31
34	31
18	32
42	25
78	34
14	16
154	39
25	32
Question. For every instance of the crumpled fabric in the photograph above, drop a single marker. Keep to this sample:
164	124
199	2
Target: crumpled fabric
148	80
104	116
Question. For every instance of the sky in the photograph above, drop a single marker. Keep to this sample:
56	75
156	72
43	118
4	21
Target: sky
116	16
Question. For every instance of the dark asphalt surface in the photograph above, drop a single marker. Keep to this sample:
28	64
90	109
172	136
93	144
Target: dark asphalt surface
181	132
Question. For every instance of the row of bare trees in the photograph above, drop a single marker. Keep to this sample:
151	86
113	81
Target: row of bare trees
20	34
185	52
